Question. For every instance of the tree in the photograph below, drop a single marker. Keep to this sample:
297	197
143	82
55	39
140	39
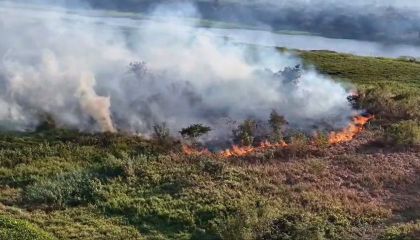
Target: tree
277	123
195	131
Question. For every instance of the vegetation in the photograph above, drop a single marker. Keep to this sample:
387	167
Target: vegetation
12	229
277	123
244	135
195	131
405	133
111	191
409	231
67	185
388	88
163	137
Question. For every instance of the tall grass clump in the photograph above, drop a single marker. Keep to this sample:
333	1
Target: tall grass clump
404	133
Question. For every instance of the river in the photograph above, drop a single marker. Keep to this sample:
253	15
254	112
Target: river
257	37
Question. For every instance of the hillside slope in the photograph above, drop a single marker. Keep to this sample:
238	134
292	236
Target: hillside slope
109	186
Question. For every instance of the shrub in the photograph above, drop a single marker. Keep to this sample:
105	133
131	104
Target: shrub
391	103
112	167
246	222
321	140
162	133
299	145
212	167
12	229
245	133
63	190
409	231
164	142
404	133
379	101
277	123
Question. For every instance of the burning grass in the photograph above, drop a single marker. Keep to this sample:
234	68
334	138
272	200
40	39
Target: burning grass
347	134
351	131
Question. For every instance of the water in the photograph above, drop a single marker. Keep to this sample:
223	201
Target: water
309	42
257	37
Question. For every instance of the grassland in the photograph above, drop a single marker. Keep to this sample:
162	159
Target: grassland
60	184
366	70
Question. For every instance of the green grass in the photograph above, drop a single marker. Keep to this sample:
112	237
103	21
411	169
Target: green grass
164	196
366	70
388	88
67	185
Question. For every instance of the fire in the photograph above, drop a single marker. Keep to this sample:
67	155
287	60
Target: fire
237	151
188	150
351	131
346	135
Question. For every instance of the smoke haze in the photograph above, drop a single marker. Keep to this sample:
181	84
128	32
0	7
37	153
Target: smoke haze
386	21
93	78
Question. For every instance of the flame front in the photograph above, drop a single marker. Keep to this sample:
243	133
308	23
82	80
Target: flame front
237	151
351	131
188	150
346	135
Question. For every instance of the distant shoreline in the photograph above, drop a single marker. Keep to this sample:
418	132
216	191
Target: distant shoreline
234	32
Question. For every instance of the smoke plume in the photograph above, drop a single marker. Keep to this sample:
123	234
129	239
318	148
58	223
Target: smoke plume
96	106
93	77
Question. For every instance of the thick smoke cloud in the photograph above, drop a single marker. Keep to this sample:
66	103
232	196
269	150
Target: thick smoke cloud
79	73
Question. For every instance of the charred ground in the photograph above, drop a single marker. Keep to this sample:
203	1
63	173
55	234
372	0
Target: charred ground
109	186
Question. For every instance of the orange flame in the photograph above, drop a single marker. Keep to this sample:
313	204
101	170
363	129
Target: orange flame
188	150
237	151
351	131
345	135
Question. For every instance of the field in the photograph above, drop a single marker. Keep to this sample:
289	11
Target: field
60	184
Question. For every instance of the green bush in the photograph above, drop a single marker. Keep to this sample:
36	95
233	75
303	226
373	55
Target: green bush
12	229
404	133
63	190
245	222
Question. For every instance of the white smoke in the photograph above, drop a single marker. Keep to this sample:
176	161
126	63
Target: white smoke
97	107
77	72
